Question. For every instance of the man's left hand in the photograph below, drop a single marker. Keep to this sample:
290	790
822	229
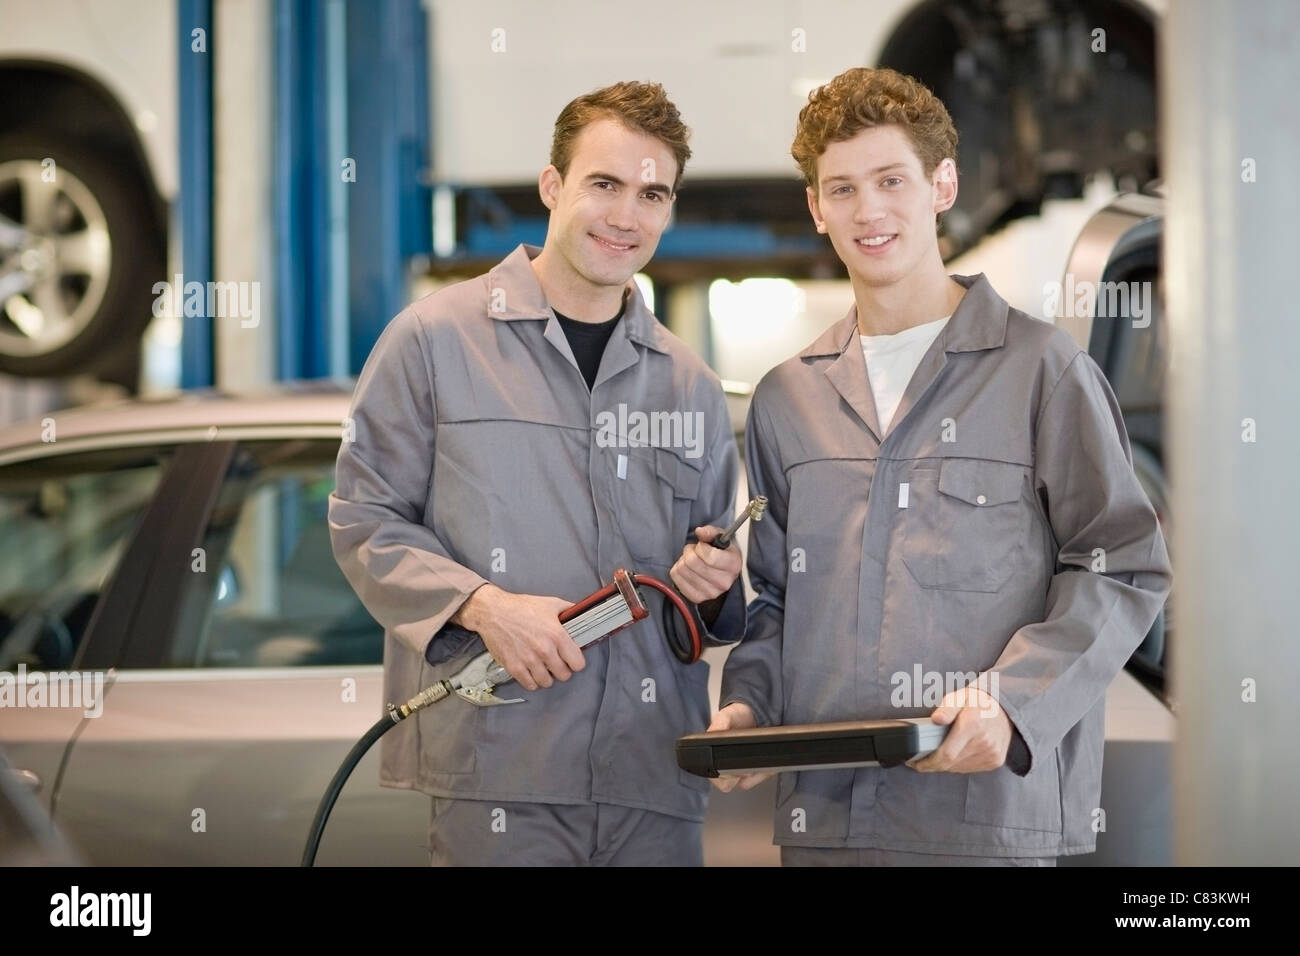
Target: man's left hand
704	572
978	737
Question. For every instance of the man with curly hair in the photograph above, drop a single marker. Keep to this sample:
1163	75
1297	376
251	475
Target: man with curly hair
951	495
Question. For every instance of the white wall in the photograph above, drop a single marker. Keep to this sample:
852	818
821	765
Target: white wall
728	65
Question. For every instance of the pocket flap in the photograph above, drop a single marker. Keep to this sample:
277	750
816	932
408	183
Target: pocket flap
682	473
979	482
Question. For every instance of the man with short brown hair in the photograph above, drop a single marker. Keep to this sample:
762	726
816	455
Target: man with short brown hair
494	480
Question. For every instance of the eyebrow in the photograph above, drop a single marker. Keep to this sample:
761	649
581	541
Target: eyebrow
610	177
873	172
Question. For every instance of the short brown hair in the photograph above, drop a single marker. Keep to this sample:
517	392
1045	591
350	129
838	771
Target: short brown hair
642	107
862	98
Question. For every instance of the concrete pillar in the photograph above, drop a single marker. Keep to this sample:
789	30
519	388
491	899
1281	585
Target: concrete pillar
243	240
1230	138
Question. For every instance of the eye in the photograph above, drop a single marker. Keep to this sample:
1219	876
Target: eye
841	190
892	179
602	183
652	196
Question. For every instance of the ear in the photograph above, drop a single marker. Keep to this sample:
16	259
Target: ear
945	185
815	210
548	187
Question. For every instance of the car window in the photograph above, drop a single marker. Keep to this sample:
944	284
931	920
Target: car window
1138	348
265	590
67	520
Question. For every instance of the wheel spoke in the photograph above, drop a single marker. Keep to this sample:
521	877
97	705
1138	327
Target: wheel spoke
24	316
49	300
84	253
39	199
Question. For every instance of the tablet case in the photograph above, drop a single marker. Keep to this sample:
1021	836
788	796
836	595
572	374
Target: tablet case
854	743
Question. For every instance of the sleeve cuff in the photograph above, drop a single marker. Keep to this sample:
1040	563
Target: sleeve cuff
449	639
1018	759
729	626
760	718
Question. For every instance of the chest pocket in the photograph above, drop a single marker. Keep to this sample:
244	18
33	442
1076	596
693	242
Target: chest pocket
964	524
653	501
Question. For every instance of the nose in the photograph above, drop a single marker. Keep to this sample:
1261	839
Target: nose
622	212
867	210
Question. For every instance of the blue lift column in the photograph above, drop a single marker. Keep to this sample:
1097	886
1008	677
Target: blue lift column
389	212
194	205
304	113
351	141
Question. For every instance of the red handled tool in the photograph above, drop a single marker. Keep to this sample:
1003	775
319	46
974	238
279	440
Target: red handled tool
606	612
620	604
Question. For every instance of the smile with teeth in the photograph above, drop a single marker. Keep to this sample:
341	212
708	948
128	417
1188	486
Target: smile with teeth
611	244
876	240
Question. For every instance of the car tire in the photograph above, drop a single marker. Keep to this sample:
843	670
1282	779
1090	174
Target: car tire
85	257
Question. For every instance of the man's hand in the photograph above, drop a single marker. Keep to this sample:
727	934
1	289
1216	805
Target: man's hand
524	634
736	716
978	738
704	572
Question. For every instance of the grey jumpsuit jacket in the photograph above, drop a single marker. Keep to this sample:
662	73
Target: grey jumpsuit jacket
480	455
998	529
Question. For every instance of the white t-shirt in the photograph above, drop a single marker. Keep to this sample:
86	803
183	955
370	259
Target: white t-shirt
892	361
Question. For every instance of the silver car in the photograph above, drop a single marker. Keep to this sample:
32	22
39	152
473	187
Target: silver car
181	547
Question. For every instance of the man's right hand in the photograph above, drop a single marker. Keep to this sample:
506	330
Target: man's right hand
736	716
523	632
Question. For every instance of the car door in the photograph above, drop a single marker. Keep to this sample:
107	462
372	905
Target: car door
249	670
69	519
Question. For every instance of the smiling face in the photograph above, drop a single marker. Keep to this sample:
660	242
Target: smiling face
878	206
609	210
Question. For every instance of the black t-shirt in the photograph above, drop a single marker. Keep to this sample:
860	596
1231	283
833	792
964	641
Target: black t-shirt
588	340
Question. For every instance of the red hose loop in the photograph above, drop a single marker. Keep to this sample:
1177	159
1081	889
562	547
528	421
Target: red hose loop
697	641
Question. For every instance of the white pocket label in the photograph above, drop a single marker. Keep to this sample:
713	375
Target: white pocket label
622	467
902	495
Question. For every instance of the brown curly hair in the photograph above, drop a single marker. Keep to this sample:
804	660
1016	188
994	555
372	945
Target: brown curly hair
862	98
643	107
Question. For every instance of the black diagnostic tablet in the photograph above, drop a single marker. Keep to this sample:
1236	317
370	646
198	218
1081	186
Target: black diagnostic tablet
853	743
